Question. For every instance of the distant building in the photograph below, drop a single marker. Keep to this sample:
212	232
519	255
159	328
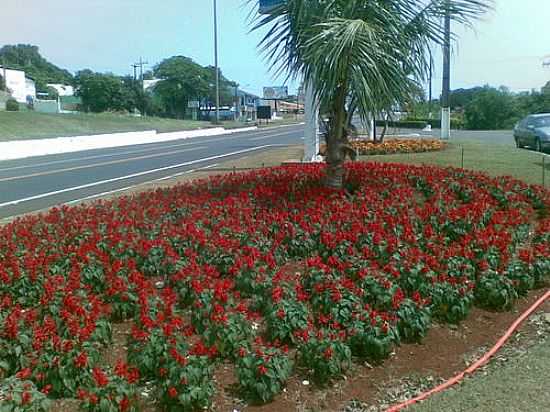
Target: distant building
283	106
149	85
246	105
63	90
21	87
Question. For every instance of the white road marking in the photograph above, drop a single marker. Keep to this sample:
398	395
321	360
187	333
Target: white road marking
110	192
116	179
184	173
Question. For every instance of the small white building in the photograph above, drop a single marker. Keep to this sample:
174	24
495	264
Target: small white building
19	85
63	90
149	85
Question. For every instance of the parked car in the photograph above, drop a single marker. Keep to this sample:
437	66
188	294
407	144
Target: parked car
534	131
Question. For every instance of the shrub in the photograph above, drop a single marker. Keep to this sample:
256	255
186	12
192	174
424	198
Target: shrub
495	291
372	338
187	384
413	321
12	105
285	318
262	373
325	358
111	391
451	303
405	124
22	396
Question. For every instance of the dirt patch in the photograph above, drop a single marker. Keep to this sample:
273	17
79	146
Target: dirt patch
118	351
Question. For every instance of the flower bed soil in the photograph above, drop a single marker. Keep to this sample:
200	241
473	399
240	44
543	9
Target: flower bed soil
262	280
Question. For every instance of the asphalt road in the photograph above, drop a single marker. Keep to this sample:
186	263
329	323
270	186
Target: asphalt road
36	183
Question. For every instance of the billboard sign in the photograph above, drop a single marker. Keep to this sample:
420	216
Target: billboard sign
275	93
267	6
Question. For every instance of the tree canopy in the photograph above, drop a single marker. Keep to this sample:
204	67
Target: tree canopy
105	92
27	57
183	80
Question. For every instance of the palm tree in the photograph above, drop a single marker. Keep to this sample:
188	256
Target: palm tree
367	52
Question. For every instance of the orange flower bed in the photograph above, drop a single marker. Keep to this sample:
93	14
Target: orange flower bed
395	146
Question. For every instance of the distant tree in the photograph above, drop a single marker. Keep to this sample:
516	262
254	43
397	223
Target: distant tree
184	80
415	102
227	87
148	75
52	93
27	57
2	84
492	109
104	92
533	102
460	98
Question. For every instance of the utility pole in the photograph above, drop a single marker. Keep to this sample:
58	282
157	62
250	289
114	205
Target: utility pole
140	64
216	62
445	96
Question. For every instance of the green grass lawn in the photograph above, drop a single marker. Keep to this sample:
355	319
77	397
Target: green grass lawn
522	384
32	125
494	159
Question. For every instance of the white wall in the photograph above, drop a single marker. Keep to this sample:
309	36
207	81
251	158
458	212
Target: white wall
62	89
15	81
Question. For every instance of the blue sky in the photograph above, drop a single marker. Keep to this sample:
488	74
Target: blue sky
506	48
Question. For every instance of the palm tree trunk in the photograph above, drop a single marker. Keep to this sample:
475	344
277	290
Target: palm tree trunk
335	154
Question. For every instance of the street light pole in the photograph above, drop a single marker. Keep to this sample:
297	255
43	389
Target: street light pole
216	61
445	96
430	87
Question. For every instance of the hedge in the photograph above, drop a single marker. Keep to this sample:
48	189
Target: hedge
408	124
420	123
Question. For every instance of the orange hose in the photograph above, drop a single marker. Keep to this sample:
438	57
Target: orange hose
480	362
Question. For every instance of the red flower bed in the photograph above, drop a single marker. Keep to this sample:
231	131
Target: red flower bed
401	247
